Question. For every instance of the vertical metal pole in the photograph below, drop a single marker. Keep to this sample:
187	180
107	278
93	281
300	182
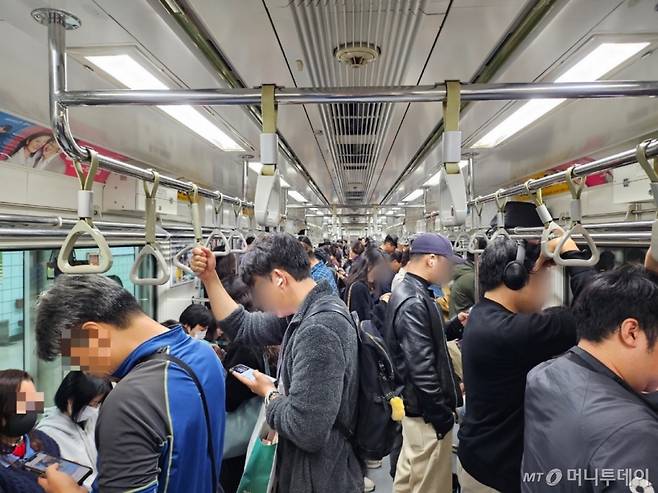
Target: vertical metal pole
245	177
471	187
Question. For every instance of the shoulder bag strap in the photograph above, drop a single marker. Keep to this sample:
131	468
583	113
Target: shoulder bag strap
163	356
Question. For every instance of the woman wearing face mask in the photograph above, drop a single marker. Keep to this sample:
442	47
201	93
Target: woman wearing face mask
18	439
198	322
72	421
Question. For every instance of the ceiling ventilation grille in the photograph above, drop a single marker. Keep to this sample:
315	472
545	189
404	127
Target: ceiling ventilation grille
356	43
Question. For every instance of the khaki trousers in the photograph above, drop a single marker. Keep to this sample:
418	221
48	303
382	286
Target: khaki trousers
469	484
425	463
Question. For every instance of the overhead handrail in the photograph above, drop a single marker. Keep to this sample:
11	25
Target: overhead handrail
193	197
85	225
550	226
217	233
151	248
576	227
500	218
474	242
652	174
237	233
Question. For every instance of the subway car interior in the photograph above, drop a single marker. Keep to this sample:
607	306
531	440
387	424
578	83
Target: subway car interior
421	206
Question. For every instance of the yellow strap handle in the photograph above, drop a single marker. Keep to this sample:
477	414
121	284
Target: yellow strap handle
269	113
451	108
576	185
150	208
87	181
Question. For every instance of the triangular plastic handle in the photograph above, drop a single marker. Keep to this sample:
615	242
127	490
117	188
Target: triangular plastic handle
81	228
177	259
161	266
576	262
546	237
500	232
473	242
218	233
243	242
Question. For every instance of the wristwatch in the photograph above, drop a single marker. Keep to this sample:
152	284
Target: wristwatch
271	395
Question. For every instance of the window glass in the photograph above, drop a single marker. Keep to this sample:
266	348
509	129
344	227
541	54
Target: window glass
24	275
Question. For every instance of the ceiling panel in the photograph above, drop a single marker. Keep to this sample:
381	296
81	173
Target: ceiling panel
472	29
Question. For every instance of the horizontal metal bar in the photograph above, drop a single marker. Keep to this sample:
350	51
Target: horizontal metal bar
611	162
382	94
595	226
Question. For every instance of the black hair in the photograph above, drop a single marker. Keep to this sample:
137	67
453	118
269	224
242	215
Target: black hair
396	257
249	239
308	245
393	240
606	262
74	300
116	279
196	314
497	255
634	255
359	272
357	247
406	254
170	323
612	297
80	389
275	251
10	382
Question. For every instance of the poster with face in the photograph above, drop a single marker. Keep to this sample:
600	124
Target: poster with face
26	144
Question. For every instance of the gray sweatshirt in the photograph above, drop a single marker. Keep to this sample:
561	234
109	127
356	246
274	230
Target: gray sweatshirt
320	381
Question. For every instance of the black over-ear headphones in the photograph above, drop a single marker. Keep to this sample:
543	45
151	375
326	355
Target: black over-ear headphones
515	275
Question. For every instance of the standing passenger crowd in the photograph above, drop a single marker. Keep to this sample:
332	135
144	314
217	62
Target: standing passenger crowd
547	400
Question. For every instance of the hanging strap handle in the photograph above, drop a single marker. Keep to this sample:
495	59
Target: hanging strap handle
151	247
500	217
652	174
451	134
85	225
576	227
550	226
193	197
462	242
268	138
474	242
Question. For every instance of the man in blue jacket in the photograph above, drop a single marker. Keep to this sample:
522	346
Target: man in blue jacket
155	432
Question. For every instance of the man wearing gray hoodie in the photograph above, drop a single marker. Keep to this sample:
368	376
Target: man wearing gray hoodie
316	395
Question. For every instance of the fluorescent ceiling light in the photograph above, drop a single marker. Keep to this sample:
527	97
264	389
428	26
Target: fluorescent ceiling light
284	183
131	74
436	177
390	213
297	196
413	195
256	166
594	66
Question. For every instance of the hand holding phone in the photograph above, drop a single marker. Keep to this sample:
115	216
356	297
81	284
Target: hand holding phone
39	463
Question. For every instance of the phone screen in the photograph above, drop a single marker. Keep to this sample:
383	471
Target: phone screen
39	463
244	370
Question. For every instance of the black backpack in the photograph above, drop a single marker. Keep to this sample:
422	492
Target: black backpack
372	431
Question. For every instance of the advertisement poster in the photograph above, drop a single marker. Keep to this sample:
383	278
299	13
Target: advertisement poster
26	144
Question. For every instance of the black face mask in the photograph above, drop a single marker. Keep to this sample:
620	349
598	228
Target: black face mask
19	424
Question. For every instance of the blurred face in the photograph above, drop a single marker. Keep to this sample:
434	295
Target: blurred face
28	399
440	269
274	294
395	266
89	348
37	143
534	295
50	149
388	248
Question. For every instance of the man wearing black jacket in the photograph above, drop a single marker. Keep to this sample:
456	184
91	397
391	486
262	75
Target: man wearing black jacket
508	334
416	338
589	424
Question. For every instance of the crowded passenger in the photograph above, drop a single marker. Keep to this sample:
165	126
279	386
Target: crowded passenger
197	321
404	260
361	284
356	250
312	407
587	419
19	405
319	269
172	428
508	334
416	336
72	421
390	244
462	290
